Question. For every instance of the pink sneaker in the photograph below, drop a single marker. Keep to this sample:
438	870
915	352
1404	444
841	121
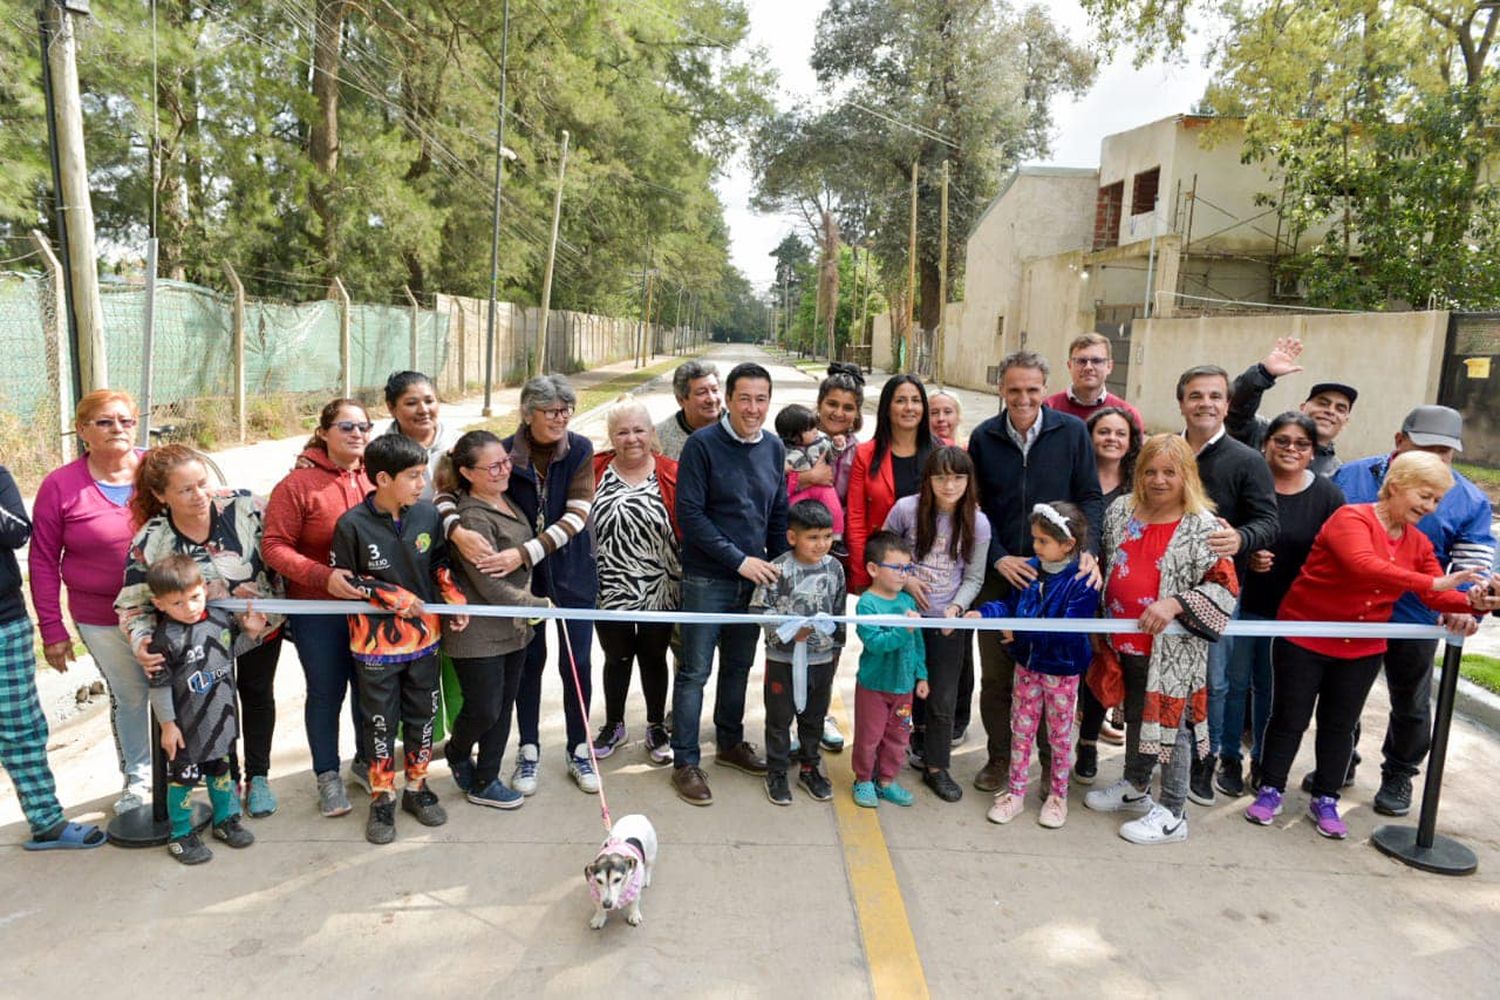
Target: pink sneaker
1324	812
1006	808
1266	807
1054	813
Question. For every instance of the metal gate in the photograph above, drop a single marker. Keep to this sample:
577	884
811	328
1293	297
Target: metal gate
1471	382
1114	323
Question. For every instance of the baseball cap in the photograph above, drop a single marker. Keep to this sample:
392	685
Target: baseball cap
1435	426
1339	387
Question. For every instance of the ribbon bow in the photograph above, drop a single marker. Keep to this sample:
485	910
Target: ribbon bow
820	623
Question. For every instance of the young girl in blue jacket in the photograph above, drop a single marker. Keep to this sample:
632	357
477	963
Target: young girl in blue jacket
1048	664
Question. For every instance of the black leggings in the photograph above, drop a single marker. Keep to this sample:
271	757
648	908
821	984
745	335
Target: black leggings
255	677
489	685
624	642
1302	682
1093	714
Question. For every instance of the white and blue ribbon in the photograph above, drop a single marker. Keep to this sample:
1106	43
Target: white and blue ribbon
821	623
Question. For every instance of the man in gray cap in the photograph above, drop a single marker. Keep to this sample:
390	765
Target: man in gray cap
1461	538
1329	404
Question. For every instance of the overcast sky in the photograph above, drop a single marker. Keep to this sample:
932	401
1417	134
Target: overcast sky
1122	98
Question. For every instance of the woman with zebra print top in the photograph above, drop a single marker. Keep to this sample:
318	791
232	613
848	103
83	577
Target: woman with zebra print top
635	531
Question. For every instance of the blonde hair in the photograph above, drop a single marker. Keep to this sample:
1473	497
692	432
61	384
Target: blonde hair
98	400
1416	468
1194	497
629	406
958	406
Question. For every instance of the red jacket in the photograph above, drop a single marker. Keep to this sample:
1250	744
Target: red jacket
870	500
666	480
299	522
1356	573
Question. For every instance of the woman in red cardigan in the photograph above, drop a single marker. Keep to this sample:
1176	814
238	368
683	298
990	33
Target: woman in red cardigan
886	468
1365	557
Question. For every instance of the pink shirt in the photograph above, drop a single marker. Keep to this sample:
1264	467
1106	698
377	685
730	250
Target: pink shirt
78	538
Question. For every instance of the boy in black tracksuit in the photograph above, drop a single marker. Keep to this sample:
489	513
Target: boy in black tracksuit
393	544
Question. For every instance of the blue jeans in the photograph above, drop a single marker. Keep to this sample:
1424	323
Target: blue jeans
529	695
1249	676
1219	654
322	643
736	645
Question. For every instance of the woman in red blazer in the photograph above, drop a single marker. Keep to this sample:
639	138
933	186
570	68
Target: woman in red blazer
886	468
1365	557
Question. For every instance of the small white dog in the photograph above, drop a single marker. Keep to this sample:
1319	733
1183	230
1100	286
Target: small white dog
621	870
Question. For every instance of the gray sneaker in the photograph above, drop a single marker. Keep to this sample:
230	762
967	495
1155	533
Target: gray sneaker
359	775
332	799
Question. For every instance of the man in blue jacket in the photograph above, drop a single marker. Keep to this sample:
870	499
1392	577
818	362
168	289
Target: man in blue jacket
1028	454
731	506
1462	539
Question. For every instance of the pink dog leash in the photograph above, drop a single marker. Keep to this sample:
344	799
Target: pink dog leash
578	688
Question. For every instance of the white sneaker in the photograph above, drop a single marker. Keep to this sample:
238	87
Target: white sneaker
1158	826
133	797
581	769
523	778
1122	796
833	740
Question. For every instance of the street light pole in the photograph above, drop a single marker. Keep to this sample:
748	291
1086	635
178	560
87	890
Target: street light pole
500	157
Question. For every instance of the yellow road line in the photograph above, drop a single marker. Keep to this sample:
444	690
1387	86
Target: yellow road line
890	948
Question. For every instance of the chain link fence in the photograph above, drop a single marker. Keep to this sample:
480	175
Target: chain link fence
35	378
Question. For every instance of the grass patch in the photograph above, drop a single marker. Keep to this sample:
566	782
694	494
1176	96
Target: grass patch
1480	474
1482	670
589	398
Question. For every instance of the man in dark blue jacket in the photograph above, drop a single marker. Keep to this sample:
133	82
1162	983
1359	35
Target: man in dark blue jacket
731	507
1461	539
1027	455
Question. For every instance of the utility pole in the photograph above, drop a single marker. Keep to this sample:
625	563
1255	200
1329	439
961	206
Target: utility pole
937	351
677	320
539	361
786	312
909	363
854	299
74	211
864	303
500	158
645	344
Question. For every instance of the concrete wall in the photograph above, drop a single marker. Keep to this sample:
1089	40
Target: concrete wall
1393	359
880	342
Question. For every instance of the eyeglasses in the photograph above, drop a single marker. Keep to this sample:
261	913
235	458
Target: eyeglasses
495	468
350	426
1088	362
557	413
1295	444
905	569
106	423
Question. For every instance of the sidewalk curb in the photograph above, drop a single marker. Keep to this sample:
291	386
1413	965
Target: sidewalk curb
1474	703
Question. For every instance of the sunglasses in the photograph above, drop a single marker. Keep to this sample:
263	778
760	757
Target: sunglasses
905	569
350	426
106	423
1295	444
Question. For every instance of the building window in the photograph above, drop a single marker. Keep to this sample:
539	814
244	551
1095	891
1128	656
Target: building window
1143	191
1107	215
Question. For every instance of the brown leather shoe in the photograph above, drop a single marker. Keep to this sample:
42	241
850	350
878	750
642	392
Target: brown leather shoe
742	756
691	785
992	777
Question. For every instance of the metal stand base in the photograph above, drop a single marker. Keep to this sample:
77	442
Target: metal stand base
1446	856
140	828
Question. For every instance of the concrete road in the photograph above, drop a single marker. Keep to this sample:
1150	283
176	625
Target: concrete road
752	900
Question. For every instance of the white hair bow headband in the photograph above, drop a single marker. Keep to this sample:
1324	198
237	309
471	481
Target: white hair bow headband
1059	522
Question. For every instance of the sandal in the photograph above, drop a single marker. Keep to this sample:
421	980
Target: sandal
74	837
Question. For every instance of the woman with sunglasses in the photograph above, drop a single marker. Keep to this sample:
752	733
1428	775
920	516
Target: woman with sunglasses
81	530
1304	501
304	507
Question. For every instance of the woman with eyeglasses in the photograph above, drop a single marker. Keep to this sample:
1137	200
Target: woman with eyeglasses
489	656
552	482
304	507
80	533
635	528
1304	502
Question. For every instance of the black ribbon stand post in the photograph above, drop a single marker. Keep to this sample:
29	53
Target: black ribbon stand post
1422	846
147	825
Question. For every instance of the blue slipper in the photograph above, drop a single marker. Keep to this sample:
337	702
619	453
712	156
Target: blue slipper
74	837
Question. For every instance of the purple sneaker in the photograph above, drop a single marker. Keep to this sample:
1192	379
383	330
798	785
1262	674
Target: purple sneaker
1324	812
1266	807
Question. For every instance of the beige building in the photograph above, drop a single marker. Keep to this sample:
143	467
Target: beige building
1171	218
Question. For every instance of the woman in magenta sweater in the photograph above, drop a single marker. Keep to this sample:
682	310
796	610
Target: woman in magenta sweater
80	533
304	507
